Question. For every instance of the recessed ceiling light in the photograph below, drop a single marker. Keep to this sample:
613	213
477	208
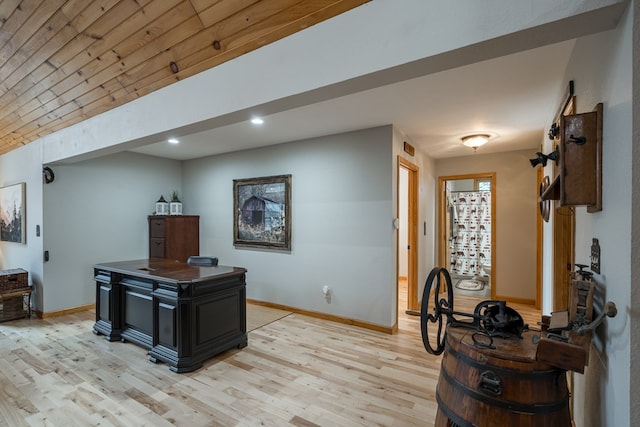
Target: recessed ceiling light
173	141
257	121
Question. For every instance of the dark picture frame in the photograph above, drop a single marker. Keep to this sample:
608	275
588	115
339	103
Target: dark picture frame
262	212
12	213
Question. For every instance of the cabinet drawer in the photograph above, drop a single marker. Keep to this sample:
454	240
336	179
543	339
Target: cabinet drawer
157	228
156	248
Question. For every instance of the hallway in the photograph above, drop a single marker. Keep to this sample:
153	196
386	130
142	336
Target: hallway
463	302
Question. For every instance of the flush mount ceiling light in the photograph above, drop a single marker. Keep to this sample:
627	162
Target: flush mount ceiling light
173	141
475	141
257	121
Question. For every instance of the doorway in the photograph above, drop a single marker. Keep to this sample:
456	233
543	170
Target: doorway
407	249
466	236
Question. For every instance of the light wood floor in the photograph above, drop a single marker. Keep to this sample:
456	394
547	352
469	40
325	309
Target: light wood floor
297	370
260	315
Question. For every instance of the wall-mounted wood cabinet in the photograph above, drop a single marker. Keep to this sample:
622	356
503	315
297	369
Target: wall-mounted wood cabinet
578	179
174	236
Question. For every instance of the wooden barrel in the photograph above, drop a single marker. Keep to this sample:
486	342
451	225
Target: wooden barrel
500	386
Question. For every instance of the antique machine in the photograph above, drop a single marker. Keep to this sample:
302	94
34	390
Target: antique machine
565	336
498	371
490	318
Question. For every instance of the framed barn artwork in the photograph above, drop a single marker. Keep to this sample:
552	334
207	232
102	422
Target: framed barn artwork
262	212
12	213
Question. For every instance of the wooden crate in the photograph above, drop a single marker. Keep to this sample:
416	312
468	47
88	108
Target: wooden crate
16	278
14	307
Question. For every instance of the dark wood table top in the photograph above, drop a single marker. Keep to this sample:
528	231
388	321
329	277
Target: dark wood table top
170	271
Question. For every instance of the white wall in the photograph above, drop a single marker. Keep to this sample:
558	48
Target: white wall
426	204
602	71
635	211
342	212
462	185
341	222
25	165
516	209
96	211
420	39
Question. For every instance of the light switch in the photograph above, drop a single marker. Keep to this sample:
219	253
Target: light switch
595	256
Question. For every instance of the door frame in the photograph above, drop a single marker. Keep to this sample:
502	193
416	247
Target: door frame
540	244
563	250
412	233
564	230
442	235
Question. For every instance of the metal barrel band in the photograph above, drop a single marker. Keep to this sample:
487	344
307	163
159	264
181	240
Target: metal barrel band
551	374
533	409
452	416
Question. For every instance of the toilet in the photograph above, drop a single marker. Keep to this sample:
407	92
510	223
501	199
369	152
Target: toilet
486	267
486	277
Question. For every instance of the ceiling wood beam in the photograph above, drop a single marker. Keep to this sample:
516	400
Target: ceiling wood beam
63	61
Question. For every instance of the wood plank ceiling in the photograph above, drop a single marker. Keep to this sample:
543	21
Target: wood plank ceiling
63	61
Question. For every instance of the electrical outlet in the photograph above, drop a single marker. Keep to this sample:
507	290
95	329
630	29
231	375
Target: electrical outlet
327	293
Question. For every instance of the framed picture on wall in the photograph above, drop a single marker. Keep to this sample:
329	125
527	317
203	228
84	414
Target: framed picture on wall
12	213
262	212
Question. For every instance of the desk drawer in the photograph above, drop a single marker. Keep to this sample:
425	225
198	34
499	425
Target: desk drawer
156	248
157	227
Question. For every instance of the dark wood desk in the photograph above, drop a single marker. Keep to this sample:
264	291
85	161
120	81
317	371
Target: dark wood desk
183	314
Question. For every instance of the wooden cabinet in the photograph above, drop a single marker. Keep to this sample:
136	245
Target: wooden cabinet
578	179
174	236
581	160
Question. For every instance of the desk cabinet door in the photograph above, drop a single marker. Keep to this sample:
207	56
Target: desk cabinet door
104	302
138	311
167	325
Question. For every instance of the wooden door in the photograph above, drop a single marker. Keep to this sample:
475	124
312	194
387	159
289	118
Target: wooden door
563	253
